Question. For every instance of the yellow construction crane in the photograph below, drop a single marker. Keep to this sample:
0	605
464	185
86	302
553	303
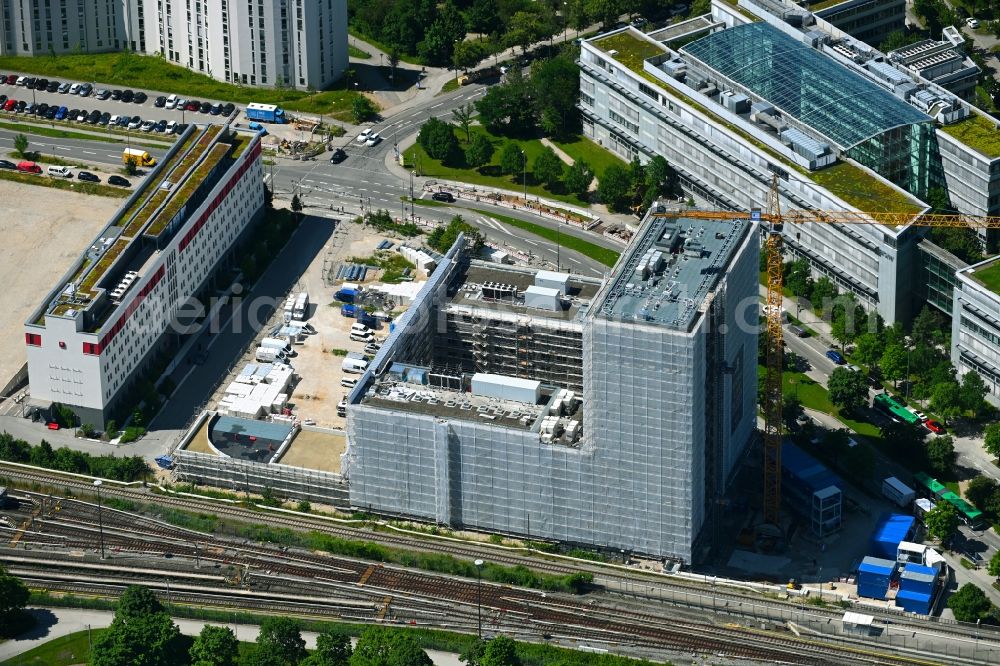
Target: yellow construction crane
773	220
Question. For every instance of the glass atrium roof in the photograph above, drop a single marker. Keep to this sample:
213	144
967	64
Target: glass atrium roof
843	106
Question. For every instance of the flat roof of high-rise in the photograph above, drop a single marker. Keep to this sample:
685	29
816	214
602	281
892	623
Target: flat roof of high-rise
672	264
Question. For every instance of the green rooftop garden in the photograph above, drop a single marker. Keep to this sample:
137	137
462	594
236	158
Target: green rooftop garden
862	190
989	275
190	185
136	225
823	4
631	50
103	265
978	133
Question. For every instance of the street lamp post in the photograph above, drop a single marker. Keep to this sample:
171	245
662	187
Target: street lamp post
524	172
100	517
479	597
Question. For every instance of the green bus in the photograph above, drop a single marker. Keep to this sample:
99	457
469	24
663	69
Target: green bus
894	409
935	489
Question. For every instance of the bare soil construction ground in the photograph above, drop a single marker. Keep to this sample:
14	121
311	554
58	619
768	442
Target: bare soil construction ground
43	231
316	450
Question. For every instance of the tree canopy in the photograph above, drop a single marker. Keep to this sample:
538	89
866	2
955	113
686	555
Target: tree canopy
848	389
215	646
970	604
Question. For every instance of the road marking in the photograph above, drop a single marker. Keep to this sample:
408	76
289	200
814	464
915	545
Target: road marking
530	242
437	105
574	260
88	152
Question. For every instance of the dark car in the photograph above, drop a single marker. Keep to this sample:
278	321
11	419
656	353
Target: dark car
447	197
104	119
30	109
85	90
180	127
123	121
140	98
20	106
72	114
11	79
94	116
61	113
160	102
4	164
30	82
42	109
205	107
103	94
87	176
3	100
127	95
52	87
52	112
119	181
216	109
41	84
116	94
160	126
228	108
338	156
835	356
193	105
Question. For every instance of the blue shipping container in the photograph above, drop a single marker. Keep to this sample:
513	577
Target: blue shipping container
891	529
914	602
805	471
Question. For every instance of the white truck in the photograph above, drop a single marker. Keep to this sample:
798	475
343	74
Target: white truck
289	308
301	309
354	366
267	355
276	343
897	491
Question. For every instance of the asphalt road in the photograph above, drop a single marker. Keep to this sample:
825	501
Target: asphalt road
87	152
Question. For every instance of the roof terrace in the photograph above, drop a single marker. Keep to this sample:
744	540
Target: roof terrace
987	274
977	132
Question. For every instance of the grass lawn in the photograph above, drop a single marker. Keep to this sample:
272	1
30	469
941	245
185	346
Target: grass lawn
989	275
604	255
489	175
63	651
814	395
597	157
449	85
354	52
426	202
152	72
978	133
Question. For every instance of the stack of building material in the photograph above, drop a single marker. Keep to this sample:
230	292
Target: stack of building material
891	530
916	588
874	576
259	390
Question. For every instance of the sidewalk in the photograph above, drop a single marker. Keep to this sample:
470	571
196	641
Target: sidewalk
56	622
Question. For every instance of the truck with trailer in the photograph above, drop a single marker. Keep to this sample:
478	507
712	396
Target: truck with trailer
276	343
265	113
897	491
139	156
268	355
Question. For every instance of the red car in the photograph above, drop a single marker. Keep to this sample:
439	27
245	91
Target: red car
11	79
11	103
53	426
934	426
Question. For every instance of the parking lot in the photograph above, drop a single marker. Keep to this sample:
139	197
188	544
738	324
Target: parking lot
43	231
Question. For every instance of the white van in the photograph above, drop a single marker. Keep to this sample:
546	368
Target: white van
355	366
277	344
363	337
360	329
74	89
348	382
59	172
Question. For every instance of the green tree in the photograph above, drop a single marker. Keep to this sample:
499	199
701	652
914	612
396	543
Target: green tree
296	204
379	646
468	54
131	166
613	188
823	291
498	651
480	151
483	17
548	168
797	279
991	440
946	399
137	601
333	648
904	440
13	598
141	633
362	109
868	348
215	646
970	604
512	159
972	395
21	145
463	116
897	40
508	108
941	455
860	460
847	319
893	363
926	328
578	178
980	490
438	139
605	11
942	521
282	638
994	566
848	389
555	85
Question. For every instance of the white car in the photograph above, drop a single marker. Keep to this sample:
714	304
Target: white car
372	139
171	126
147	126
181	103
972	22
136	123
74	89
171	102
113	121
363	137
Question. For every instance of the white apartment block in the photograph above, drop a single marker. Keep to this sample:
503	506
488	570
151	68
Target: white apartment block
975	325
269	43
101	326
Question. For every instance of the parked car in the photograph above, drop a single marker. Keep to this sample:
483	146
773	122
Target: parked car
74	89
128	96
180	127
41	84
102	93
51	114
135	123
181	103
82	116
6	164
147	126
116	95
123	121
171	102
12	79
119	181
160	102
835	356
9	105
3	100
86	89
64	88
89	177
30	108
104	119
20	106
160	126
42	109
228	108
140	98
972	22
192	105
20	80
205	107
447	197
93	117
52	87
216	109
61	113
338	156
29	82
171	127
59	172
934	426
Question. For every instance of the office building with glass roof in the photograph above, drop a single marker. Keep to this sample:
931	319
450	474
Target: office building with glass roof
732	98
